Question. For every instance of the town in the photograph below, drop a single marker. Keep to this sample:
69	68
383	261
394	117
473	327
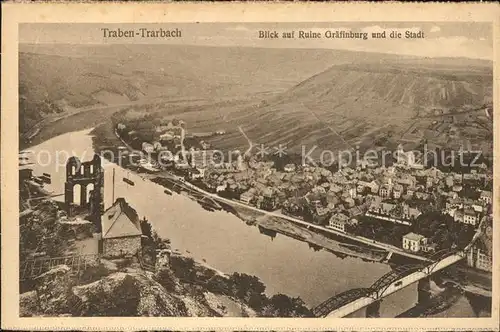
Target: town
419	209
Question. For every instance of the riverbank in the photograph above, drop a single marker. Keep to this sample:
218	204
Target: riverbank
75	119
316	239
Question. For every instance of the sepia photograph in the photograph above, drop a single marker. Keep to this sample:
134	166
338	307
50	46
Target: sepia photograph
254	169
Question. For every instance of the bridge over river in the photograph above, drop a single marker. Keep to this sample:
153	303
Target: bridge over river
365	302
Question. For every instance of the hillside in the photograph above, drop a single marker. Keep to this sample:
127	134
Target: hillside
428	88
78	74
330	98
55	80
350	105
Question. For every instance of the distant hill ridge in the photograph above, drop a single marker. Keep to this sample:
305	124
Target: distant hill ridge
350	104
423	87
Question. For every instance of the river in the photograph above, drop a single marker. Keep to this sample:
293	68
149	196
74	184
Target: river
221	239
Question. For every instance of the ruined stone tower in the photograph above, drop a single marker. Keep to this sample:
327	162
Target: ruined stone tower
88	178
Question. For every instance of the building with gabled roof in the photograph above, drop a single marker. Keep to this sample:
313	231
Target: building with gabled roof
486	196
414	242
121	230
338	222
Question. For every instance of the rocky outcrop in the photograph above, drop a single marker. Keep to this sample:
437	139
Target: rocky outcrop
117	294
127	294
28	304
179	287
53	289
163	258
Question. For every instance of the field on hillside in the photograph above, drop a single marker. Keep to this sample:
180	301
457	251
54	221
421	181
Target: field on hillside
349	106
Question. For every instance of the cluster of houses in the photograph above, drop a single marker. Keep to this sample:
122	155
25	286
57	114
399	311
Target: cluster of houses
391	194
174	147
468	211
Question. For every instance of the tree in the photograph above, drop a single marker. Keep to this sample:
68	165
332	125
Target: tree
167	279
281	305
146	228
244	286
183	268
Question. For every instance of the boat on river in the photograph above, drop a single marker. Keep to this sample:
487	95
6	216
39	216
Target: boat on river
209	203
127	181
148	166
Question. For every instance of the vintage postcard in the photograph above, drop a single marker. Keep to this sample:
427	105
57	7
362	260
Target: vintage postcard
250	167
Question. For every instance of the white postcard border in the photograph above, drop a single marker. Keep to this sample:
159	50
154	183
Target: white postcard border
13	14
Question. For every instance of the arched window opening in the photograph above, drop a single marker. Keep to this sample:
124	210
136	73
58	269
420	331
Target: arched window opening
77	194
90	188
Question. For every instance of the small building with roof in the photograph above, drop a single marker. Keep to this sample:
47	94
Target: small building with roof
414	242
338	222
121	230
486	196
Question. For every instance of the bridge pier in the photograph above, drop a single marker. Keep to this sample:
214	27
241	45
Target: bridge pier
424	290
370	311
373	310
361	313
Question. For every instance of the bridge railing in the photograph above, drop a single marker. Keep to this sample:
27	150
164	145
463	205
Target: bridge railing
340	300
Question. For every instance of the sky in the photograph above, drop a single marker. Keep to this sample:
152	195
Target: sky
442	39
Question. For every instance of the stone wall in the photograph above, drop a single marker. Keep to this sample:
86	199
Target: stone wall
162	259
121	246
